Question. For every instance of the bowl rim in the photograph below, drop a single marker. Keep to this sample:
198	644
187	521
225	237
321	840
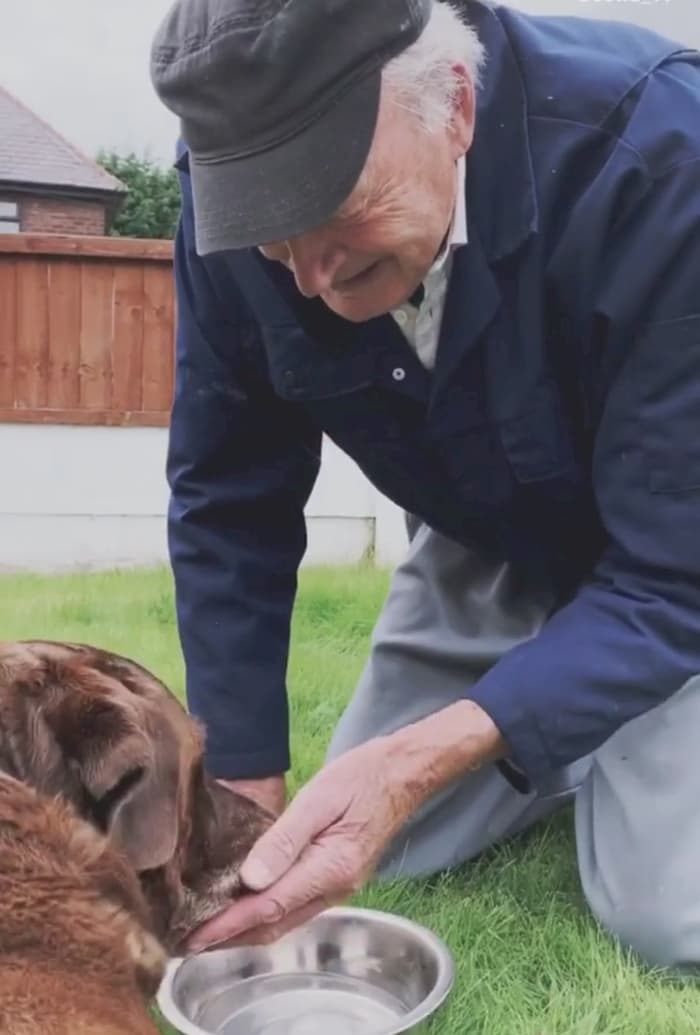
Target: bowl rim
425	1009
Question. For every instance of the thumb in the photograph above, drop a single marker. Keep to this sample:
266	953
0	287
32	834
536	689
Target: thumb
280	846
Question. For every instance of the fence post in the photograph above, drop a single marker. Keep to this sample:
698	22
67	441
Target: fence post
390	536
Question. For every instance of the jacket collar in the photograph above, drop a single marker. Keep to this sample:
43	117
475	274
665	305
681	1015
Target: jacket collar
500	189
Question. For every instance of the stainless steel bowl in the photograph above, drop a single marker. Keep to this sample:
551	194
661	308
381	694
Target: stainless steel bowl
347	972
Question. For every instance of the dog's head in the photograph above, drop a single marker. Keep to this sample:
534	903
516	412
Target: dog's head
111	738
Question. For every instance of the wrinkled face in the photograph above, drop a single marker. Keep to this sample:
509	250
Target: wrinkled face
375	251
111	738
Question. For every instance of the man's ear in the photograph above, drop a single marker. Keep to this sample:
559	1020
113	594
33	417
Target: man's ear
128	776
462	124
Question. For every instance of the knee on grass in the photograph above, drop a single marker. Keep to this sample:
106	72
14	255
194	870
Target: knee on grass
660	933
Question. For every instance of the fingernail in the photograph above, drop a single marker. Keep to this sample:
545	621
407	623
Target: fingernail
255	875
271	913
197	946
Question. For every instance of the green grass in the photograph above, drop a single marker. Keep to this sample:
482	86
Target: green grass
531	960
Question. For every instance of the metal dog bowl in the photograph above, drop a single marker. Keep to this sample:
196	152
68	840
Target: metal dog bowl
347	972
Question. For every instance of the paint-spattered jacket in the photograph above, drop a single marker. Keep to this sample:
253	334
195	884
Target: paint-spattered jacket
560	427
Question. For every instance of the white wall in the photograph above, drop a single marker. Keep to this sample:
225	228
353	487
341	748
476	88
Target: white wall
89	498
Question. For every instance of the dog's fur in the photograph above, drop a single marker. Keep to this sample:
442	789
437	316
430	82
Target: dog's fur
106	735
78	953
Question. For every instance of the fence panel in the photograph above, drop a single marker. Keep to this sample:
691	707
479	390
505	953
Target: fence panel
86	330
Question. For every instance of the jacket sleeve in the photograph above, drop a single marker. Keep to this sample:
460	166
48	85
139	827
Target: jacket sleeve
630	638
241	466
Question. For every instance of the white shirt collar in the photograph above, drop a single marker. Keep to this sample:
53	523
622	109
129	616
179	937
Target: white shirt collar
458	235
459	230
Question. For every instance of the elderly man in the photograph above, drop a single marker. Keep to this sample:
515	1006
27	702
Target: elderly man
464	243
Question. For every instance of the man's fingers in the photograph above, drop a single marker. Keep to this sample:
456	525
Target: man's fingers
269	933
319	875
242	915
280	846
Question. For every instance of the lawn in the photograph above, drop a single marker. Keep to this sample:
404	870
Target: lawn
531	961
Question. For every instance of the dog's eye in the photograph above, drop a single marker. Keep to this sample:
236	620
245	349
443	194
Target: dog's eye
101	809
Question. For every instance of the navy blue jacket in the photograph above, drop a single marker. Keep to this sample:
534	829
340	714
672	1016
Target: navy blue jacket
559	429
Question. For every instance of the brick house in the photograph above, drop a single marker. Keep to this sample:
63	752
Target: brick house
46	184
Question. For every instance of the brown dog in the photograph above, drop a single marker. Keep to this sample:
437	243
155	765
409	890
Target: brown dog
111	739
77	949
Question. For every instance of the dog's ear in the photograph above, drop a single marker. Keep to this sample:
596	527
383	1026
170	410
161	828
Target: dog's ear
125	767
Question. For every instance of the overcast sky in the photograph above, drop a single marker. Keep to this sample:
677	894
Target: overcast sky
83	64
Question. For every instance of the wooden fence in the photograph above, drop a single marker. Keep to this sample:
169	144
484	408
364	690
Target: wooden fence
86	330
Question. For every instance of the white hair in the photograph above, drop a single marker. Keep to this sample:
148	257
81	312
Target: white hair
422	79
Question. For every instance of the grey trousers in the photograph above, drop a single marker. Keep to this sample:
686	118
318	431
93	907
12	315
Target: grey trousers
450	614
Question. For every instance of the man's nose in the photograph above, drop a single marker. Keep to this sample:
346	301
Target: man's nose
313	260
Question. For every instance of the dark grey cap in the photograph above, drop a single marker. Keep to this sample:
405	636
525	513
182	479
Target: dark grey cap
278	102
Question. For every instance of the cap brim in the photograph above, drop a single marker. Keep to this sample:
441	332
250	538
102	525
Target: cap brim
291	188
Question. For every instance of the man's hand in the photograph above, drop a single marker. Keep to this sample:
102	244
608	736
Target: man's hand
332	836
270	792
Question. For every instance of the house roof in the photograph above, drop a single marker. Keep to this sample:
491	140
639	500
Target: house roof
32	152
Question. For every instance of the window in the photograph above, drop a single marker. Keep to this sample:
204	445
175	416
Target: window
9	217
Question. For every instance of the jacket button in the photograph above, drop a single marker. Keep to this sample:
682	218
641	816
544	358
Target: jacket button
398	373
